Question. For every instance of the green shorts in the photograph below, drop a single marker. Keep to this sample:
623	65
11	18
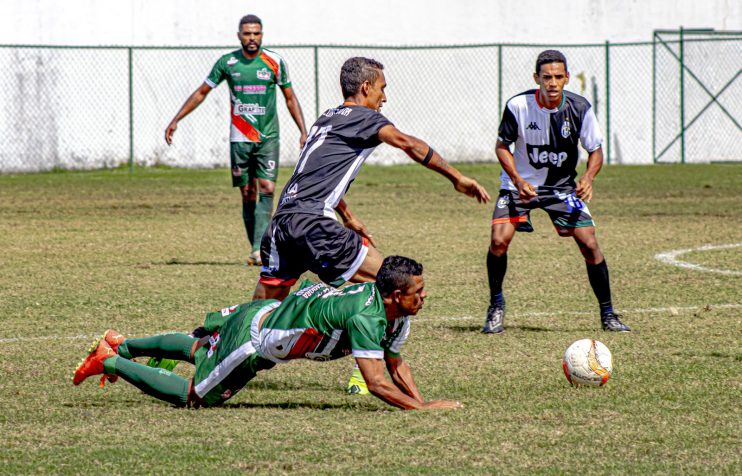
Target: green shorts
251	160
229	361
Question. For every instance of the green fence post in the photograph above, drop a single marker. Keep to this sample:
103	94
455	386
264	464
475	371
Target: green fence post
654	97
499	79
316	82
682	98
608	101
131	115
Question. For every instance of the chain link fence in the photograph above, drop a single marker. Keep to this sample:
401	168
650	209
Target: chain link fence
95	107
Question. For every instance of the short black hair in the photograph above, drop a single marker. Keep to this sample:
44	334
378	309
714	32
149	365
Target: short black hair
355	72
396	273
250	19
550	56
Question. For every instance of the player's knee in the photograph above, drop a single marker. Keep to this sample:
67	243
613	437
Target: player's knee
266	187
499	246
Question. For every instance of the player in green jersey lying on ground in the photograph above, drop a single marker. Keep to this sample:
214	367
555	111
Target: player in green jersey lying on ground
369	321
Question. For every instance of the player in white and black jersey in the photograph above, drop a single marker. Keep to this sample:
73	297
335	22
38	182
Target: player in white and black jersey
545	126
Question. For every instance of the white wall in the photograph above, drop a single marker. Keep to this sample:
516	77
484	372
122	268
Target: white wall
388	22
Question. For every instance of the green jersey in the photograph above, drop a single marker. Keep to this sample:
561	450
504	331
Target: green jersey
252	92
318	322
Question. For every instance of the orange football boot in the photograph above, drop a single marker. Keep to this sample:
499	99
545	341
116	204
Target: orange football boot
93	363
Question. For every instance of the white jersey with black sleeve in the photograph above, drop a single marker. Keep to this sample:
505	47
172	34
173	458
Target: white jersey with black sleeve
546	140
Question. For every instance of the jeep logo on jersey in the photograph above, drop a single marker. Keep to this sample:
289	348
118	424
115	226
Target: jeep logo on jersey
249	109
264	74
544	158
565	129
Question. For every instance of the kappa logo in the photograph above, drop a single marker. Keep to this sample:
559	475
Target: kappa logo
264	74
533	127
232	61
566	129
545	158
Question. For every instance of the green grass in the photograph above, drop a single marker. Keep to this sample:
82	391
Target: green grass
155	251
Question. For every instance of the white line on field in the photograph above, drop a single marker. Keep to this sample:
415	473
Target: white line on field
422	320
650	310
670	257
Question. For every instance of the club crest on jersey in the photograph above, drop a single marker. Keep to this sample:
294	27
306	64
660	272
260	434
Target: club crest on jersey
503	201
232	61
566	129
264	74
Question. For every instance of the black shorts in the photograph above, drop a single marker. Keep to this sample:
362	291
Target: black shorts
298	242
564	208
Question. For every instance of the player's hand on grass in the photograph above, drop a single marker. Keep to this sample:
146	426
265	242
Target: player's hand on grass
356	225
442	405
526	191
171	128
584	190
471	188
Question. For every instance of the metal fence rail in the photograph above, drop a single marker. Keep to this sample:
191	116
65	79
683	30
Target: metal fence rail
675	99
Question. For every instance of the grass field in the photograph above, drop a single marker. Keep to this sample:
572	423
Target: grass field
155	251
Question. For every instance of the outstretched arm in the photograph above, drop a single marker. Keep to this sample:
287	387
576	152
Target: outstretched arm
525	189
421	152
373	373
292	103
402	376
584	188
191	103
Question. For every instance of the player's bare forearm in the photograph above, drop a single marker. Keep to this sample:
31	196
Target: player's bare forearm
507	161
190	104
292	103
373	373
402	377
353	223
344	211
584	189
594	163
421	152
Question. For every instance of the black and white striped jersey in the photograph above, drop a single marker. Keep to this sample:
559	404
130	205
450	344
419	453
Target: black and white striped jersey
337	145
546	140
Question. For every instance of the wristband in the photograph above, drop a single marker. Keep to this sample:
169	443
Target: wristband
428	156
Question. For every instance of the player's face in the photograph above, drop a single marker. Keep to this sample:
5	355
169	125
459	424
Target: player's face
251	37
411	300
551	80
375	95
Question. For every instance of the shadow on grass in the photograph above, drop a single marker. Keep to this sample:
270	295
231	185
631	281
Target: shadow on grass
478	329
310	405
177	261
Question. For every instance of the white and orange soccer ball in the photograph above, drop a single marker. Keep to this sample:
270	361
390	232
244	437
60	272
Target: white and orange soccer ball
587	362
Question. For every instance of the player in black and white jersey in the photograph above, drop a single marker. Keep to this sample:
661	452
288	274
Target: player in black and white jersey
304	233
545	127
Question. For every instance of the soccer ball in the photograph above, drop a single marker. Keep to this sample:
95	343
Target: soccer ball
587	362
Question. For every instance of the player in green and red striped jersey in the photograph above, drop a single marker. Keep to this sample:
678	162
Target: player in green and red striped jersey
369	321
252	74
